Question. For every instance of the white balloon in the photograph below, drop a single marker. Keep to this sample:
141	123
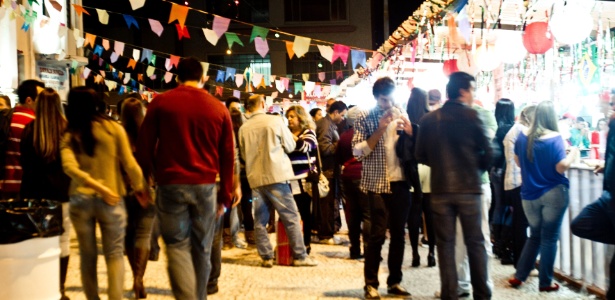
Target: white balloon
466	63
509	47
571	24
487	58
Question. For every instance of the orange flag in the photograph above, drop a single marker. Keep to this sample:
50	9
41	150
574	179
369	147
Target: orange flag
262	84
90	39
132	64
289	48
140	77
219	91
179	13
174	60
79	10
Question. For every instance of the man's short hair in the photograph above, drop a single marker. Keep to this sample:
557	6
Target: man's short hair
28	89
189	69
254	101
230	101
383	86
338	106
314	111
458	81
434	97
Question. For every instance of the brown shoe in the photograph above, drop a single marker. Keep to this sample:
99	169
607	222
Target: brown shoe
250	237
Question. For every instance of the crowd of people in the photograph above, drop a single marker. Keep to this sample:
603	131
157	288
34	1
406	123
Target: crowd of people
192	170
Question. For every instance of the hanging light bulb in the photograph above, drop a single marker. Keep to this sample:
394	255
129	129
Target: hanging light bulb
186	3
229	52
319	64
277	35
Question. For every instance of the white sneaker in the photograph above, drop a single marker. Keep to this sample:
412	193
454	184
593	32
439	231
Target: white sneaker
239	243
306	262
534	273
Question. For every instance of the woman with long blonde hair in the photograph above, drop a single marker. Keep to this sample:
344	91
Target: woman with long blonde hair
43	177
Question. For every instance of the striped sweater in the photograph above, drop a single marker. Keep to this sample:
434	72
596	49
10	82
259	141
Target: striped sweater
307	143
11	183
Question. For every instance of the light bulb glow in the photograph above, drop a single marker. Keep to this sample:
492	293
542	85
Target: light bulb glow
229	52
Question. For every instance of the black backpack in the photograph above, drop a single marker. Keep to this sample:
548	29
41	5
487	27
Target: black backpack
6	116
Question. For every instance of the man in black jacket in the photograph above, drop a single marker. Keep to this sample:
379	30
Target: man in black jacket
452	141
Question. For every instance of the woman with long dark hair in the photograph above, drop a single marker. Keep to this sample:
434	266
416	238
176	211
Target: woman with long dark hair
140	216
43	177
417	107
501	229
93	151
541	154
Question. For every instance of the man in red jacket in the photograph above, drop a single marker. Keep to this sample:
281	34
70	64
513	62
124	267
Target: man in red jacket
187	138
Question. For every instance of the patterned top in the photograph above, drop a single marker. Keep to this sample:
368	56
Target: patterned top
22	116
512	177
374	176
306	144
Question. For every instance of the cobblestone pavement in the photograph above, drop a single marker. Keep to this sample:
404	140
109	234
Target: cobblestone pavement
336	277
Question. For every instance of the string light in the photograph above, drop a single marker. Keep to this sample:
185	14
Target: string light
186	3
277	35
319	64
229	52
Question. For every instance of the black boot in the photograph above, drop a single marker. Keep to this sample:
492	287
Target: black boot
63	271
140	262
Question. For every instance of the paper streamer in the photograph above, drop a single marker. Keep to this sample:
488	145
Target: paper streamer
130	20
261	47
103	16
211	36
232	38
220	76
156	27
358	58
321	76
289	49
301	45
179	13
239	80
230	73
326	52
340	51
258	31
220	25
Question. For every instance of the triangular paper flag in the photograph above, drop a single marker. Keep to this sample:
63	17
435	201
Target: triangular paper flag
130	20
309	87
272	79
98	79
182	32
150	71
62	30
318	91
114	57
205	67
105	44
289	49
86	73
239	80
279	85
305	76
333	82
326	90
126	78
220	25
262	84
103	16
132	64
175	60
285	82
298	87
219	91
79	10
232	38
90	39
206	78
326	52
136	54
152	60
274	95
211	36
100	62
98	50
340	51
230	73
79	41
179	13
147	54
111	85
168	65
256	79
168	76
301	45
220	76
258	31
261	47
339	74
136	4
118	47
156	27
358	58
237	94
321	76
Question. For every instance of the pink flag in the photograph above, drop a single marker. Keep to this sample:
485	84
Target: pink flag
256	79
279	85
340	51
285	81
236	94
261	46
321	76
156	27
168	76
220	25
239	79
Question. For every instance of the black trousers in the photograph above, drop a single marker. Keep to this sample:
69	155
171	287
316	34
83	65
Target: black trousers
519	225
304	205
420	207
356	209
386	209
245	206
327	212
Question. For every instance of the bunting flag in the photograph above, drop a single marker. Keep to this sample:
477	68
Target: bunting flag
272	79
220	76
274	95
339	74
261	47
90	39
309	87
326	52
79	10
298	87
301	45
340	51
237	94
256	79
127	78
168	76
103	16
289	49
86	73
220	25
358	58
114	57
179	13
205	67
105	44
168	65
206	78
285	82
111	85
132	64
136	54
174	60
182	32
232	38
100	61
230	73
156	27
150	71
118	47
98	50
326	90
210	36
98	79
258	31
130	20
219	91
321	76
305	76
279	85
136	4
147	54
239	80
152	60
262	84
333	82
318	91
78	39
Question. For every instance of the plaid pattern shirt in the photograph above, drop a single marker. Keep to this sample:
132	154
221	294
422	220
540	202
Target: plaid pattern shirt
374	176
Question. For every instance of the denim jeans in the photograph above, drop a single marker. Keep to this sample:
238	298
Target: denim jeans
140	224
461	252
387	210
187	216
545	216
216	254
596	222
468	208
66	225
280	197
356	209
85	211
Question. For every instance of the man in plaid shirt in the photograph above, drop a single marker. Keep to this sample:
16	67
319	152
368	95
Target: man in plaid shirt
382	179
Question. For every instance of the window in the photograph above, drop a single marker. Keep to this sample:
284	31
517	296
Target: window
253	11
241	61
315	10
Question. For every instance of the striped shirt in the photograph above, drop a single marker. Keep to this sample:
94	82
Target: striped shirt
12	173
306	147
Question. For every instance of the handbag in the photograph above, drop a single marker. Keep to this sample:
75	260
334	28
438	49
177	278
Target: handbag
21	220
315	176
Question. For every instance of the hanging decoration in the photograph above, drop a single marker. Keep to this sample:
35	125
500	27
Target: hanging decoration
571	24
156	27
301	45
178	13
232	38
449	67
537	39
509	46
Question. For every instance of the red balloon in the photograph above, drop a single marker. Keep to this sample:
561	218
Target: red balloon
450	67
535	38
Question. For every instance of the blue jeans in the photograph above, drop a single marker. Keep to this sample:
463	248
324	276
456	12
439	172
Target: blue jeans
85	210
187	216
545	216
468	207
281	198
140	224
